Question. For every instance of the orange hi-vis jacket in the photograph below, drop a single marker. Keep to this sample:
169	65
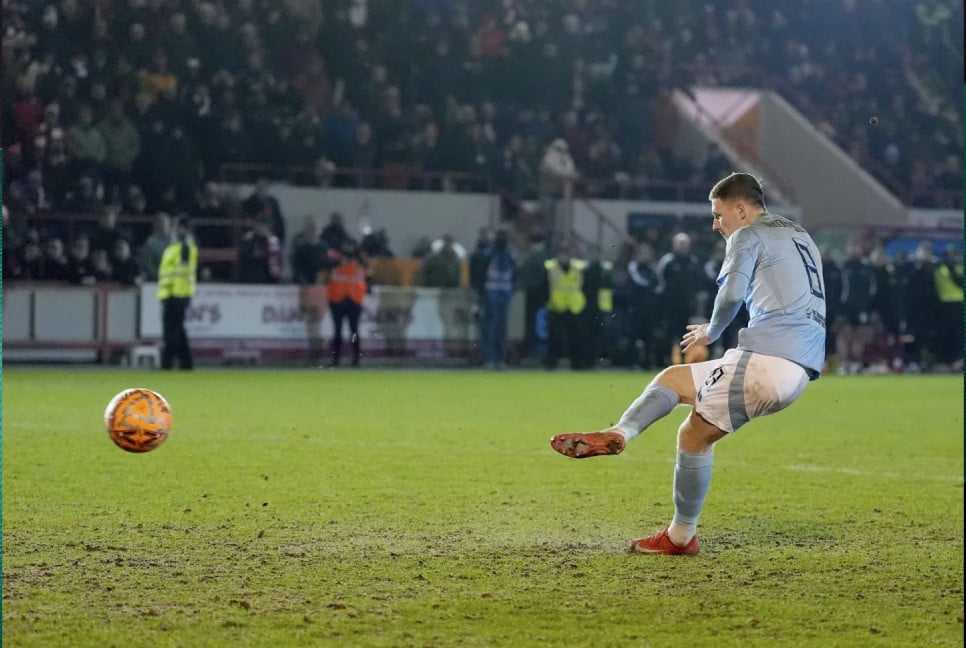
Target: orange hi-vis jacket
348	280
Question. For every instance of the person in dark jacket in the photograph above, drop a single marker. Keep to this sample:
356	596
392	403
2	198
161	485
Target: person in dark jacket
643	298
681	279
498	286
858	295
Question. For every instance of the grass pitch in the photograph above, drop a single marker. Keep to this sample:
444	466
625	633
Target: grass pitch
427	508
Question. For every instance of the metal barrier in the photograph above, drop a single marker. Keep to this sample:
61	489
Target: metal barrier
81	322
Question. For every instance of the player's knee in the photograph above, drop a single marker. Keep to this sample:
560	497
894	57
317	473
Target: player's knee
678	379
697	435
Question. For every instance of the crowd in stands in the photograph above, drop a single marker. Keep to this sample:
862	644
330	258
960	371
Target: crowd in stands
140	102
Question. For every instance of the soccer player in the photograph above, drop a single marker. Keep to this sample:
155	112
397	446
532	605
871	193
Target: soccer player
773	266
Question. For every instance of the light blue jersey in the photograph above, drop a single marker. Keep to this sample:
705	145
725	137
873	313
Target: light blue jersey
774	266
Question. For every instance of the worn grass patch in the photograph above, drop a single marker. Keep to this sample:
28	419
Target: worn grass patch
426	508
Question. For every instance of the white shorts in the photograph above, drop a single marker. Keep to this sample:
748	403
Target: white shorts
742	385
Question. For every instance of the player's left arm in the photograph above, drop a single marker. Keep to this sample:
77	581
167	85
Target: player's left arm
733	281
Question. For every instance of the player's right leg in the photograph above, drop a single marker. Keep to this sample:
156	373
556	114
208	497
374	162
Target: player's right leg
672	386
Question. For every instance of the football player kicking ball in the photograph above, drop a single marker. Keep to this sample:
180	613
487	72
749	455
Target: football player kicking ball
774	267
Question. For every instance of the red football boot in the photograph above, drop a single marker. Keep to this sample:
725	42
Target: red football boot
591	444
660	543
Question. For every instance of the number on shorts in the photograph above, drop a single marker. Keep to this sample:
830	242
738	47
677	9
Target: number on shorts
811	269
714	377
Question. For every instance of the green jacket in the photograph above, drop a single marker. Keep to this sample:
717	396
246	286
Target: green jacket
122	143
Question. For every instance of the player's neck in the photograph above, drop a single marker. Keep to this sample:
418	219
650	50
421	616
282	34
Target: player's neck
755	216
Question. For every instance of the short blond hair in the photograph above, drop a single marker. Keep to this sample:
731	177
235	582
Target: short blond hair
739	186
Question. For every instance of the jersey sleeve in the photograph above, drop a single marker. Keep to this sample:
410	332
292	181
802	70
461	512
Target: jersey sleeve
741	255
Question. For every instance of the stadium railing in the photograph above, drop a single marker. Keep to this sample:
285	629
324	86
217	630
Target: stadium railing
398	177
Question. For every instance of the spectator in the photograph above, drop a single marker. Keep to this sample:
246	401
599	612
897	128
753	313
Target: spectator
375	244
262	204
643	298
106	235
122	144
125	269
30	264
149	256
80	268
180	45
347	290
557	170
56	169
309	256
438	244
101	266
37	197
11	245
210	206
232	142
500	278
479	260
86	143
135	205
858	297
680	279
949	289
598	289
334	233
260	257
56	265
832	282
441	269
531	278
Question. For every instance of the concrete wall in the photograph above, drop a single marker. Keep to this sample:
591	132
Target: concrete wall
406	215
829	186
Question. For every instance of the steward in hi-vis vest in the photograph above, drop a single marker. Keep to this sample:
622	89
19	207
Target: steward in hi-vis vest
347	289
566	303
177	275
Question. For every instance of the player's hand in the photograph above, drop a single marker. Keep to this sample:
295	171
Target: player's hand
697	335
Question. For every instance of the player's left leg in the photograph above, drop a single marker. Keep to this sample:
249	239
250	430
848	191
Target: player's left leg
692	478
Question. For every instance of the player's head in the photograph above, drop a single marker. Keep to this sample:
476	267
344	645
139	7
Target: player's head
736	201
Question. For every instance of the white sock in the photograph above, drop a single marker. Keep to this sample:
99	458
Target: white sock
681	534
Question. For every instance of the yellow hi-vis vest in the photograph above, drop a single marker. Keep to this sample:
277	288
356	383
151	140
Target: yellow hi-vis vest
946	285
177	279
605	296
566	288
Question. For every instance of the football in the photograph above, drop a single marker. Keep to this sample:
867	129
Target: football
138	420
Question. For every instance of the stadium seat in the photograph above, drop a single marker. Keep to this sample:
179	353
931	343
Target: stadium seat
139	353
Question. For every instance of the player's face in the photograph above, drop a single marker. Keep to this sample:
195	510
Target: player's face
728	215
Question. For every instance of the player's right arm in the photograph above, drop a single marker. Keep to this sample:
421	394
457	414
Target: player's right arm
741	257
